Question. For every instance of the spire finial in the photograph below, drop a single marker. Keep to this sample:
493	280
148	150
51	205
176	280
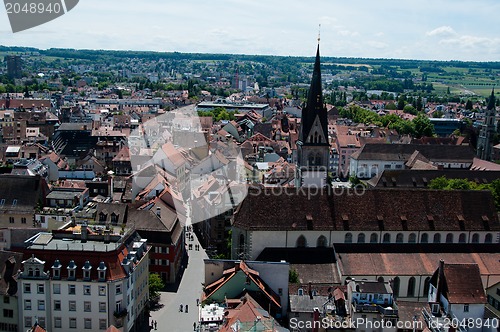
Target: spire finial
319	33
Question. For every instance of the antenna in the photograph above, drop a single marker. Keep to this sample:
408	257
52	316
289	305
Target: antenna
319	33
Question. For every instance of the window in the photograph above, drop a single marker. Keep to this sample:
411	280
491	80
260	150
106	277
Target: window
462	238
102	306
475	238
41	305
424	238
72	323
426	286
488	238
437	238
40	288
57	273
374	238
27	304
8	313
301	242
6	299
412	238
87	323
449	238
321	242
361	238
411	287
23	220
387	238
56	288
86	290
118	306
71	274
72	305
399	238
348	238
71	289
102	290
11	220
57	322
300	292
28	322
86	274
57	305
103	324
27	288
466	308
118	289
102	275
87	307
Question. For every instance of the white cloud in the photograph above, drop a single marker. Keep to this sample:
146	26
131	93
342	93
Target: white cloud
441	31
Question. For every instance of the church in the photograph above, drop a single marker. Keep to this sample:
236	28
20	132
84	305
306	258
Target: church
313	148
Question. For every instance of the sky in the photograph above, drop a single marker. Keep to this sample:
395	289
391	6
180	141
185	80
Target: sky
399	29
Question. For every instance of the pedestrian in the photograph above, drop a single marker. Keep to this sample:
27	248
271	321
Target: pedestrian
156	324
186	308
197	302
180	308
194	326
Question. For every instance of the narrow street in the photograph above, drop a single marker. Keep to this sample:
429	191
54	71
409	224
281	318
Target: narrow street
168	317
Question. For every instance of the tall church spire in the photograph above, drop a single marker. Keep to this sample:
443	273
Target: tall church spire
314	106
491	102
313	148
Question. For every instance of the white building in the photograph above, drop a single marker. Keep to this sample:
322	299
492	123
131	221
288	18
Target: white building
80	281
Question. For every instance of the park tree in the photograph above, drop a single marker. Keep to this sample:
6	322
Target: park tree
419	104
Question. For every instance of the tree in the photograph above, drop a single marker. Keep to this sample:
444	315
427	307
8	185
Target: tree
423	126
419	104
468	104
155	285
293	276
401	102
409	109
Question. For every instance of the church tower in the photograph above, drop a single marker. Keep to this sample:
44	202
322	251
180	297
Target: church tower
313	148
485	139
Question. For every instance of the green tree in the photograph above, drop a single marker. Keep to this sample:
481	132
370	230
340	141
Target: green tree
293	276
423	126
155	285
468	104
401	102
409	109
419	104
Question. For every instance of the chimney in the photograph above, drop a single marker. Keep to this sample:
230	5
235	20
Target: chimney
84	232
158	212
310	291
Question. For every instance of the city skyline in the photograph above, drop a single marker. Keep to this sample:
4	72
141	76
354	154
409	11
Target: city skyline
430	30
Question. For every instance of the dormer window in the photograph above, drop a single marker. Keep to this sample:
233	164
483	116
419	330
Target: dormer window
72	270
86	270
114	218
102	216
101	271
56	269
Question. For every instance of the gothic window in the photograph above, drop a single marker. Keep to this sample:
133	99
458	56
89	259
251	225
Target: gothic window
449	238
488	238
301	242
412	238
399	238
426	286
475	238
361	238
348	238
462	238
318	159
321	241
374	238
411	287
387	238
424	238
395	290
437	238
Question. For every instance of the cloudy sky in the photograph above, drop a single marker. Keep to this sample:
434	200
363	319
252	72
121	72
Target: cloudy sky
407	29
